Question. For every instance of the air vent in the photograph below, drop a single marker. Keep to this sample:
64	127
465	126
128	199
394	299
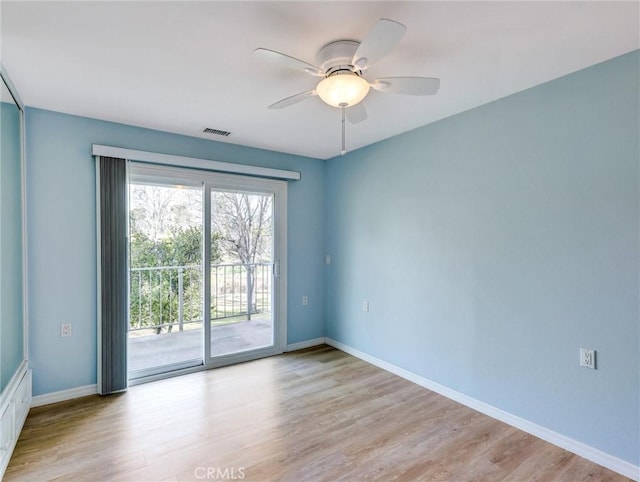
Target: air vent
217	132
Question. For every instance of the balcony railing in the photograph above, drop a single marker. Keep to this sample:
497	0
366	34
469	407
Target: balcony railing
171	296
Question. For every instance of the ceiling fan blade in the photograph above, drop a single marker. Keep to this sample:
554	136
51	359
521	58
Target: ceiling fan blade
356	113
288	61
294	99
380	40
407	85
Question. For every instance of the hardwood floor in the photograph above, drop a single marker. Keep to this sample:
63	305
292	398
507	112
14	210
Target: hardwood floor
313	415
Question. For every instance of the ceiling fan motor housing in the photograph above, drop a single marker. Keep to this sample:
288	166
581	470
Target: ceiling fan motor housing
337	55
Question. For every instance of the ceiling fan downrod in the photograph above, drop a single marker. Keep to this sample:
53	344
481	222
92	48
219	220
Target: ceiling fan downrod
343	151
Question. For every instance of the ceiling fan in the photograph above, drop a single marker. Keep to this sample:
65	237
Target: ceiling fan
342	64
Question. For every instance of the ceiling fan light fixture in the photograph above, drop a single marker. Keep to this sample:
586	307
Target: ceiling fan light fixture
343	88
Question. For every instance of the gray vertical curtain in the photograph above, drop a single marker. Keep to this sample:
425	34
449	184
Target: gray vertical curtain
113	275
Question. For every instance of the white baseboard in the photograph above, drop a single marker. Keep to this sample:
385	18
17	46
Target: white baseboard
305	344
64	395
590	453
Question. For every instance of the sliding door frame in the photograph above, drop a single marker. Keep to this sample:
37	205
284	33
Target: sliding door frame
244	184
217	181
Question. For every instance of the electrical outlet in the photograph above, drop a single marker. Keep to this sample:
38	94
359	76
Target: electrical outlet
65	329
588	358
365	306
305	300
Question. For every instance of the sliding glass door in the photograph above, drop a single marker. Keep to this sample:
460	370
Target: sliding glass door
242	271
165	276
204	281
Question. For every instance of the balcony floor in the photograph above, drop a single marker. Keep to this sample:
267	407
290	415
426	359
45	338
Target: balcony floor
149	351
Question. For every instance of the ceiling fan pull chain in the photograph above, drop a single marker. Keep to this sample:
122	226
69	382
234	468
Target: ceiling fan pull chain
344	149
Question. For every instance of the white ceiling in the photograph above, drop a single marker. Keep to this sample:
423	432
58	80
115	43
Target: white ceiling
183	66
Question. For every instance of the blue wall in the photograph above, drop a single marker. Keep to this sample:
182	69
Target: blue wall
62	242
494	244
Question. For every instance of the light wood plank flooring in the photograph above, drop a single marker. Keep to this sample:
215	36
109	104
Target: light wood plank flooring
313	415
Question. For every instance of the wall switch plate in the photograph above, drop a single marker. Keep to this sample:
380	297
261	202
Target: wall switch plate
588	358
327	259
65	329
305	300
365	306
